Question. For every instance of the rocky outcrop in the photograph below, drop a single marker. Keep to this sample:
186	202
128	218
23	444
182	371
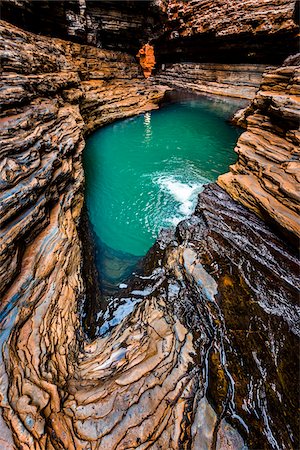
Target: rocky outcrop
234	80
146	59
229	32
52	92
266	176
199	30
223	19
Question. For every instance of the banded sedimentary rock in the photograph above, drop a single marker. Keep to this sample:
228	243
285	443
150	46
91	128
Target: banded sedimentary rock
52	92
223	18
229	32
122	25
234	80
205	355
49	88
266	176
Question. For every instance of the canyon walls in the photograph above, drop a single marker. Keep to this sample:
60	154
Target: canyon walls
52	93
266	176
122	25
233	80
207	355
189	31
228	32
146	59
42	85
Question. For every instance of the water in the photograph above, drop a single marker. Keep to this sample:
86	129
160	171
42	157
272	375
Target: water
145	173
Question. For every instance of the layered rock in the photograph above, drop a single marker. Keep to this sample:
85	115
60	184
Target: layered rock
198	30
236	17
266	176
52	92
234	80
229	32
206	355
123	25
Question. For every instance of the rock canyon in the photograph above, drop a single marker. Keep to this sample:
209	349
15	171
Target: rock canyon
209	356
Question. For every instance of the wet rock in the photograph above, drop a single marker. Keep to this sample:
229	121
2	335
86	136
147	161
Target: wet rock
265	177
203	348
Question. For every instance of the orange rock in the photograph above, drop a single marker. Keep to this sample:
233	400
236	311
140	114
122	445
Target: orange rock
146	59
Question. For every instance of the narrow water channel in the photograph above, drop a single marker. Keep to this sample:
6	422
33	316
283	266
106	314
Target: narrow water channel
144	173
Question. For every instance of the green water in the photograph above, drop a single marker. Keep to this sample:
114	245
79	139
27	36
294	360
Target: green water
145	173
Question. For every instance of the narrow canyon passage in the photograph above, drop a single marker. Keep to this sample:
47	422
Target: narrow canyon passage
196	344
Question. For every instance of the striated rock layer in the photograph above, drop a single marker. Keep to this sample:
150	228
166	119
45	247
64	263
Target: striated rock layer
235	31
266	175
234	80
206	357
235	17
118	25
52	93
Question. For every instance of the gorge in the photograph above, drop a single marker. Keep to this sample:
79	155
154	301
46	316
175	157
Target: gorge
203	351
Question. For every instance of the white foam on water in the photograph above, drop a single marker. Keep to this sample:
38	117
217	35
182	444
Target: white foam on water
184	194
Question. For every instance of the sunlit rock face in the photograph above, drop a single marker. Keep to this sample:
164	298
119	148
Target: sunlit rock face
266	175
146	59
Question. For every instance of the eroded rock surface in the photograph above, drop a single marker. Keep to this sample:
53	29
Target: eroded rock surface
223	18
266	175
206	354
234	80
146	59
116	25
53	92
233	284
229	32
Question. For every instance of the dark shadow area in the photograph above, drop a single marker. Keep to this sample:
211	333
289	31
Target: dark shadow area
246	49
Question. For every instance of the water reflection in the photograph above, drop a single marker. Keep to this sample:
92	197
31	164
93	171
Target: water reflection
148	128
